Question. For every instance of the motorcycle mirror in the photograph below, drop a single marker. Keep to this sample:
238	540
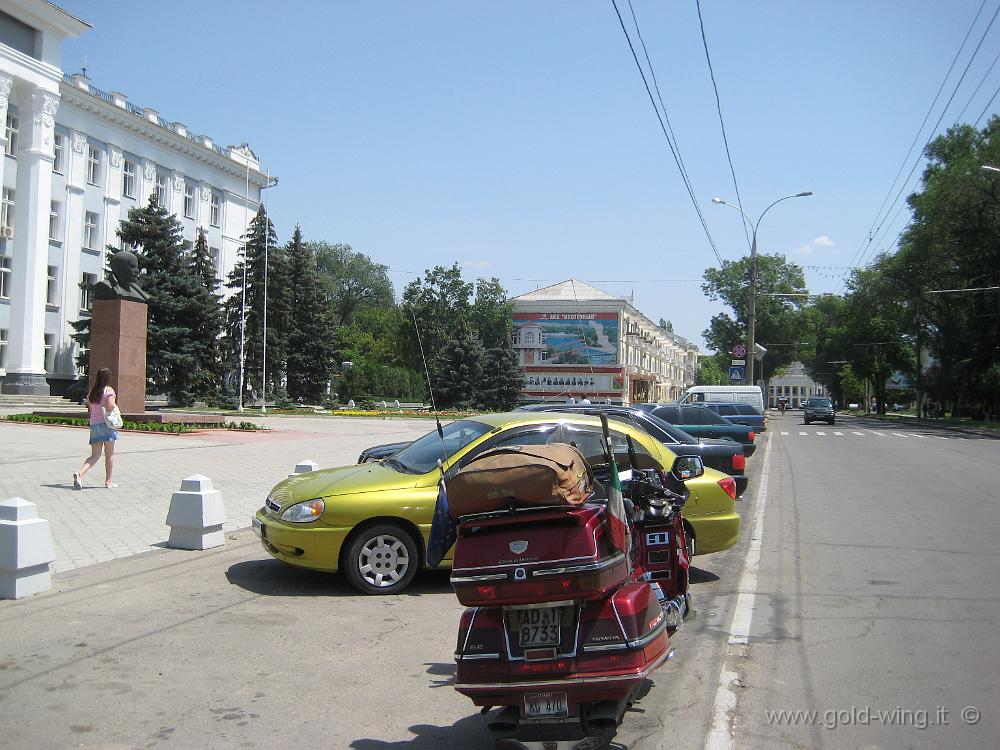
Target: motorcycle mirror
688	467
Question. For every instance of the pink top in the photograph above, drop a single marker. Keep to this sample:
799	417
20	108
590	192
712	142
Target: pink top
97	408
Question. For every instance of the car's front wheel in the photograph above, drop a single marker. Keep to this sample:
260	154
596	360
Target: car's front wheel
382	559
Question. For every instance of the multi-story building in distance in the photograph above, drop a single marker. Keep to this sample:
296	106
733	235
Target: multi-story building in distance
575	341
76	159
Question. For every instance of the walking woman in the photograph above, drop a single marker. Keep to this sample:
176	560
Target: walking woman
102	396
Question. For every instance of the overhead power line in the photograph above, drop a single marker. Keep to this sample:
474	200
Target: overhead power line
670	143
722	123
872	230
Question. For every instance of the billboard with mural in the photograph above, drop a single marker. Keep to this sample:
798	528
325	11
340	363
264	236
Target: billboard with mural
567	338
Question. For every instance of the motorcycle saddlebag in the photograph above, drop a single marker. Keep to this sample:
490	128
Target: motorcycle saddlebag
521	475
534	556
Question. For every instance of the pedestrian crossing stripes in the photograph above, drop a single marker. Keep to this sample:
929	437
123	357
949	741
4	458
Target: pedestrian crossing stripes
859	433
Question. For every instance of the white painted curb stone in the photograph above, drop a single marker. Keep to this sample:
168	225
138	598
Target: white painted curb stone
304	467
196	515
25	550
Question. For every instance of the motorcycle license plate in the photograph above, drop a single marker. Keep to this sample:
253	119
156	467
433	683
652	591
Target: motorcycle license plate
537	705
539	626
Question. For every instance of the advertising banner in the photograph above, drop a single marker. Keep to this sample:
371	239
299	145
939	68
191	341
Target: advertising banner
567	338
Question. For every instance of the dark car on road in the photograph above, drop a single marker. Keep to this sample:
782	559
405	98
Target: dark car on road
724	455
819	410
703	423
739	413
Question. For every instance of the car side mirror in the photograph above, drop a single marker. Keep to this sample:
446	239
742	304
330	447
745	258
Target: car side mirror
687	467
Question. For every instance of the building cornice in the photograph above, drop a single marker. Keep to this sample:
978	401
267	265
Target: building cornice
125	119
12	59
47	15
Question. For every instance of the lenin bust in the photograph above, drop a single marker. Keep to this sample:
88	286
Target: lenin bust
121	283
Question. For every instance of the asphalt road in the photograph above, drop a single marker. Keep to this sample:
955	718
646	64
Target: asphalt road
875	590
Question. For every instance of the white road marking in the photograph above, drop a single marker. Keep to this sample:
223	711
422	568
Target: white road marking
720	734
858	433
838	433
821	433
880	434
941	437
803	433
917	434
784	433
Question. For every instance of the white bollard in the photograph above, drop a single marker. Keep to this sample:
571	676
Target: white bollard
196	515
304	467
396	403
25	550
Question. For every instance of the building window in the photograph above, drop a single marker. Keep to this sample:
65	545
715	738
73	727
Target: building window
128	179
90	238
188	200
216	262
51	285
216	215
55	208
93	165
4	278
88	279
57	162
7	208
50	343
161	190
10	148
3	347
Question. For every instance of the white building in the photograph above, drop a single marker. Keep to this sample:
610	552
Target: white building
573	340
795	385
76	159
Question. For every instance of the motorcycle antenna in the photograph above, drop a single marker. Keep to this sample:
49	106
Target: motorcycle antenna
430	388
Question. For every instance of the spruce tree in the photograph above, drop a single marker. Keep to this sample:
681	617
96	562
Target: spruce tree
503	378
179	344
310	332
204	316
260	244
457	369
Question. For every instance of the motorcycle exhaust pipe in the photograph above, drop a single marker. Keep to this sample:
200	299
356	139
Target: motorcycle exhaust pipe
506	722
605	717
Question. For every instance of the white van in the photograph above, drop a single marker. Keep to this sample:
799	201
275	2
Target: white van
741	394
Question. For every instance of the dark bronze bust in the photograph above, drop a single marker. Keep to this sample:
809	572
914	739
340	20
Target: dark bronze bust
121	283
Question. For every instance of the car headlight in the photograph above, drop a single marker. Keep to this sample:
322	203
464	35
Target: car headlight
304	512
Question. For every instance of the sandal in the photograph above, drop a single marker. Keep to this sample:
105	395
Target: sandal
109	485
77	484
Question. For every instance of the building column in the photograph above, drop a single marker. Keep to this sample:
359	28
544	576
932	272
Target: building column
26	354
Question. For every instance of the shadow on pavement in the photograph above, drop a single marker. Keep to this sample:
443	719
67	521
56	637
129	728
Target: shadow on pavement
275	578
697	575
469	733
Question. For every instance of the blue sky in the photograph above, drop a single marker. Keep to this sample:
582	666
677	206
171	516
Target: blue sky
517	138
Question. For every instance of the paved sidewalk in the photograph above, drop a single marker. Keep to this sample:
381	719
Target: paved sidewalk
99	524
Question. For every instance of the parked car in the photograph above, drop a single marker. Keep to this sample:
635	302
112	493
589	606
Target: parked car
702	422
819	409
372	521
739	413
723	455
745	394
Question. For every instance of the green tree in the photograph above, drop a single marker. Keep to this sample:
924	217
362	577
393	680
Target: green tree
203	316
492	316
778	318
310	335
457	369
437	305
502	379
713	370
261	260
371	336
180	345
352	281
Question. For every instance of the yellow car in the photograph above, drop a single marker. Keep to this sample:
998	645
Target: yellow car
373	520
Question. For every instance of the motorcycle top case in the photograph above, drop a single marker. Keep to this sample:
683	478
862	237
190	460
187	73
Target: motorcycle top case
521	476
533	556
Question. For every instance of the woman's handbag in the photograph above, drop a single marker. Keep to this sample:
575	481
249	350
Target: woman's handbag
113	418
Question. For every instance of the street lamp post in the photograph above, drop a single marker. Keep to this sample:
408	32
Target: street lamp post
751	327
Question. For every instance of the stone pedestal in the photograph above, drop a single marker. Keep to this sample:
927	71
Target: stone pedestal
196	515
25	550
118	342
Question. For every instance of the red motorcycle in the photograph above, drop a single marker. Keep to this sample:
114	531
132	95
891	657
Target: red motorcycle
563	627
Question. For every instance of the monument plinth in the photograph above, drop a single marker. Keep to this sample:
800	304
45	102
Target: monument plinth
118	342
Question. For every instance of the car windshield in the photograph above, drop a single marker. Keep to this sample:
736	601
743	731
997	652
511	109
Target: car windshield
422	455
819	402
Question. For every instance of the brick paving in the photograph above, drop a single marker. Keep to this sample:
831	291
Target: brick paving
99	524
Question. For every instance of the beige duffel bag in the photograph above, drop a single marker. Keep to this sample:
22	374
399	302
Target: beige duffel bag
521	475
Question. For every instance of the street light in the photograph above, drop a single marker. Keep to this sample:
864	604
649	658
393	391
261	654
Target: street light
751	328
990	168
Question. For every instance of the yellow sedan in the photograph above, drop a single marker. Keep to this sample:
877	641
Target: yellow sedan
373	520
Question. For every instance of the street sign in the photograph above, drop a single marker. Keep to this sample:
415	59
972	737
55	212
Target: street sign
739	362
739	352
736	374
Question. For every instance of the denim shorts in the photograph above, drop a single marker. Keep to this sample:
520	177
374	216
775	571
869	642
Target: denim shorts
101	433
